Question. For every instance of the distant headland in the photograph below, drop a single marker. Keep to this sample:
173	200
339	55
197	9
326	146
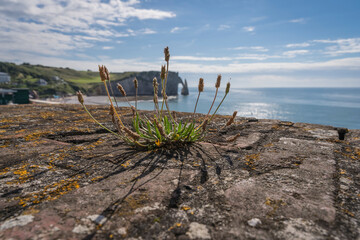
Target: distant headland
45	81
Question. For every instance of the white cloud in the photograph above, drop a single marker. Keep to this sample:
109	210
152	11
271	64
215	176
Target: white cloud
179	64
294	53
193	58
53	27
223	27
341	46
269	67
259	57
145	31
107	47
295	45
254	48
177	29
298	20
249	29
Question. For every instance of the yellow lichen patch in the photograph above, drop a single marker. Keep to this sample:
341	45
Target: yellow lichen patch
276	127
56	157
20	131
4	171
23	175
126	164
342	171
46	115
174	226
351	153
287	123
185	208
5	144
50	192
250	160
30	211
86	147
275	204
269	145
36	135
6	120
348	212
131	203
95	179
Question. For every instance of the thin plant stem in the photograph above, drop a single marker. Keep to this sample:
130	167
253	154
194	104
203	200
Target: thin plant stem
136	99
112	92
213	102
117	115
217	107
166	103
163	91
100	123
197	102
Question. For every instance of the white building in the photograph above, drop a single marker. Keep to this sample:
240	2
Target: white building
4	78
42	82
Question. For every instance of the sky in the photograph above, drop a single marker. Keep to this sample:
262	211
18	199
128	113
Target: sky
252	43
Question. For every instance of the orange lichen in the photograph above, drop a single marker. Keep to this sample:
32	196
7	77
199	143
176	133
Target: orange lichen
342	171
348	212
174	226
126	164
5	144
97	178
23	175
275	204
46	115
4	171
36	135
185	208
250	160
269	145
50	192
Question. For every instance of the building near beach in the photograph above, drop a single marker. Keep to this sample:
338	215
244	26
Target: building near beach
15	95
42	82
4	78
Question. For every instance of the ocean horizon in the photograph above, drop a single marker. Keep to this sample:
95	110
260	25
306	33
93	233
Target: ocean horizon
338	107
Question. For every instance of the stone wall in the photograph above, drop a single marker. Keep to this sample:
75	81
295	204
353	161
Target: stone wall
63	177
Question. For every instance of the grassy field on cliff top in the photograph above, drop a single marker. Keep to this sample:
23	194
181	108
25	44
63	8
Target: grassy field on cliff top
26	76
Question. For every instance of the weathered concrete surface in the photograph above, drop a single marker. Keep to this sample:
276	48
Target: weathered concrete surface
62	177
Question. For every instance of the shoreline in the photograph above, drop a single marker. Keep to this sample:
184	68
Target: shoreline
94	100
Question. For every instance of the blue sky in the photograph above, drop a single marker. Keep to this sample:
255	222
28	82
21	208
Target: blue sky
256	43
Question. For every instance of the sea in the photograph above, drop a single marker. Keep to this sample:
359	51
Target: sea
338	107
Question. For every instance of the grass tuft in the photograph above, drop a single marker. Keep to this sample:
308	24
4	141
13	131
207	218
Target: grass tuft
162	130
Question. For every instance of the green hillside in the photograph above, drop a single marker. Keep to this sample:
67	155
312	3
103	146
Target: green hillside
61	81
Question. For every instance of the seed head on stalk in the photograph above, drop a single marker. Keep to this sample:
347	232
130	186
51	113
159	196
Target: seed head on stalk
201	89
104	73
201	85
121	89
218	81
80	97
231	120
167	54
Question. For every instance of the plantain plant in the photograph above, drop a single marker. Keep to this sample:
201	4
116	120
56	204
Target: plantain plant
162	130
